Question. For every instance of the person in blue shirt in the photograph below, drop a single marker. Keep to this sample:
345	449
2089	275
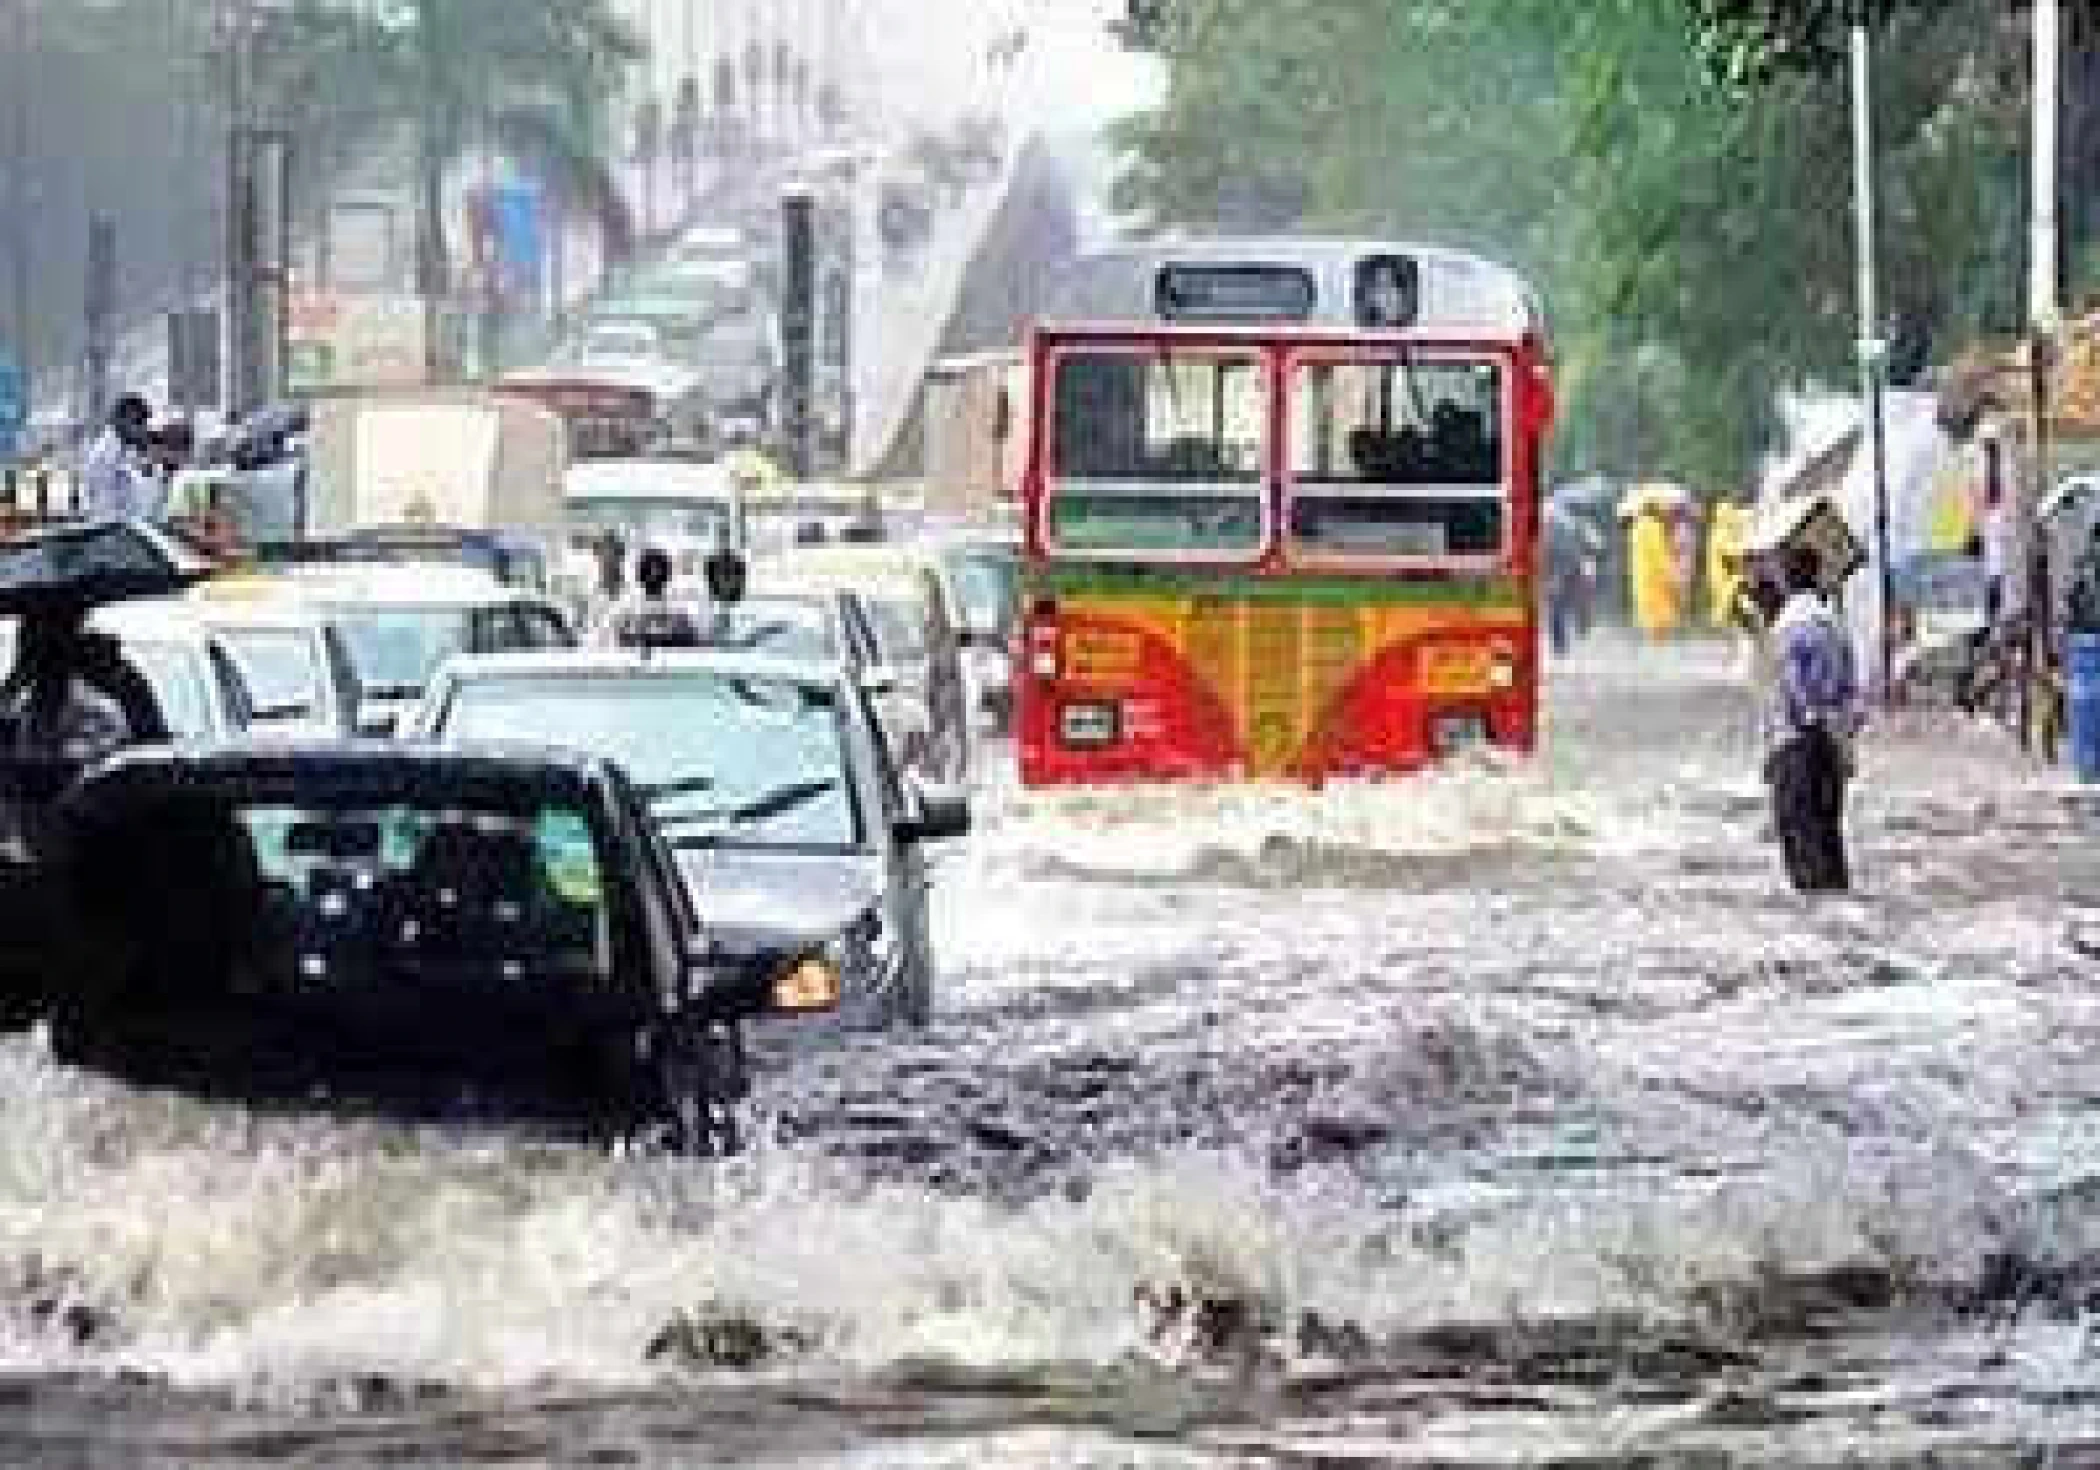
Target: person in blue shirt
1811	719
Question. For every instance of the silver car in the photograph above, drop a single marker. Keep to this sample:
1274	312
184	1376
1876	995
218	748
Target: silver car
770	780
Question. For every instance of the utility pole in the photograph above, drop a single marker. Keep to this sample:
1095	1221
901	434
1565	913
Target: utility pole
237	291
2044	249
430	196
1872	347
21	204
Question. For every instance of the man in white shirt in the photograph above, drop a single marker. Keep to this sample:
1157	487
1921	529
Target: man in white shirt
115	478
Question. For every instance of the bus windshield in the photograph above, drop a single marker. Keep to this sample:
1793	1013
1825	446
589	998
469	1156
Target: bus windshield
1398	459
1159	452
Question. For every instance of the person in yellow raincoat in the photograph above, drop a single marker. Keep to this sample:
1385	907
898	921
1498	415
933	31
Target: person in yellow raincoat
1658	589
1724	561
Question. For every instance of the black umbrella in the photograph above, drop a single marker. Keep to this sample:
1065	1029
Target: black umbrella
72	568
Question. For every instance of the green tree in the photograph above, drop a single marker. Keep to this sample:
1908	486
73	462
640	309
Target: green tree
534	79
1687	221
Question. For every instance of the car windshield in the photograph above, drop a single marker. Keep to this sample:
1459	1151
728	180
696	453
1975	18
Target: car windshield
727	760
989	586
395	650
1159	452
282	668
790	628
695	519
900	629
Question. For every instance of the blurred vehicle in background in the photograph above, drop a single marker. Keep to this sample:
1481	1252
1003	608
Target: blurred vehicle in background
401	622
982	573
917	640
683	508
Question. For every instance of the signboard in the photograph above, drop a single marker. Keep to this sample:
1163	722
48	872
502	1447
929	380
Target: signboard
1235	293
347	340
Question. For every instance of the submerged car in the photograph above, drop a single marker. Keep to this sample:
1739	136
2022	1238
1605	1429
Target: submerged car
296	664
402	622
344	919
918	647
771	782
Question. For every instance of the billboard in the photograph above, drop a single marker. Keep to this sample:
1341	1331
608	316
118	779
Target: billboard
355	340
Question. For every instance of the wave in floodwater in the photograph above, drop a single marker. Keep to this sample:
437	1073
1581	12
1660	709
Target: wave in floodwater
1254	1119
276	1255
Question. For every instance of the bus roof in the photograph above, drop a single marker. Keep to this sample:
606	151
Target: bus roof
1305	282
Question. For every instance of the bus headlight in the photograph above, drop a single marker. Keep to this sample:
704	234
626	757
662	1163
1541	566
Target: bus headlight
1090	726
807	985
1449	734
1502	669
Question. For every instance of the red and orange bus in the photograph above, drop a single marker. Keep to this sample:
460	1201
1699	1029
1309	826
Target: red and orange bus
1282	514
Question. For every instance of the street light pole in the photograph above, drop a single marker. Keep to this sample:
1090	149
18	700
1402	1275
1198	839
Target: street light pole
1872	349
2042	324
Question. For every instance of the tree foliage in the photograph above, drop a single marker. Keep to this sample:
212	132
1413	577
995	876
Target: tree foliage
1686	214
125	104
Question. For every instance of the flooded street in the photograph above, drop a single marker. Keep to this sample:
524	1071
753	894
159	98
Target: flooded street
1497	1118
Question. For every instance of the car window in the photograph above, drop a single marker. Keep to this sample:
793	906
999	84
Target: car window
512	892
779	627
395	650
726	761
182	684
900	630
281	669
541	628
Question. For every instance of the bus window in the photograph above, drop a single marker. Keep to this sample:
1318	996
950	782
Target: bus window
1158	453
1396	459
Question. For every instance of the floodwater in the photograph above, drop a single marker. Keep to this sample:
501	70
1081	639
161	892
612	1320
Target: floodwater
1502	1117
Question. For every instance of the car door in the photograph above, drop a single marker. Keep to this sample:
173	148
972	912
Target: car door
889	797
945	684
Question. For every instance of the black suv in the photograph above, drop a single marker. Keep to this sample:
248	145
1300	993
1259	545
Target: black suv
324	919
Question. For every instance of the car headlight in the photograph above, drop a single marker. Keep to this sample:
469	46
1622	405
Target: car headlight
805	986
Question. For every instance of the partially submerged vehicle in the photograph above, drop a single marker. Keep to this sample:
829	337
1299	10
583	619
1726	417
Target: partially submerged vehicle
771	782
419	926
918	637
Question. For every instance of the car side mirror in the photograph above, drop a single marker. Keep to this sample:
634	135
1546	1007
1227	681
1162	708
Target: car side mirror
943	816
379	724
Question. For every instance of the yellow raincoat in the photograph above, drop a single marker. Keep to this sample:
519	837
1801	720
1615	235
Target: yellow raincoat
1724	561
1658	593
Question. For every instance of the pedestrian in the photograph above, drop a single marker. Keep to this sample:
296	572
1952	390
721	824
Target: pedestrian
649	619
1811	721
118	479
1658	590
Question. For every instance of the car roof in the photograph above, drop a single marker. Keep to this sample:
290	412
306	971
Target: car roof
152	621
303	772
649	479
582	663
434	584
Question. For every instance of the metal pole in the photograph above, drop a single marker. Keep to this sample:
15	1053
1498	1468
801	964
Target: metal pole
237	289
2043	321
21	207
1873	351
